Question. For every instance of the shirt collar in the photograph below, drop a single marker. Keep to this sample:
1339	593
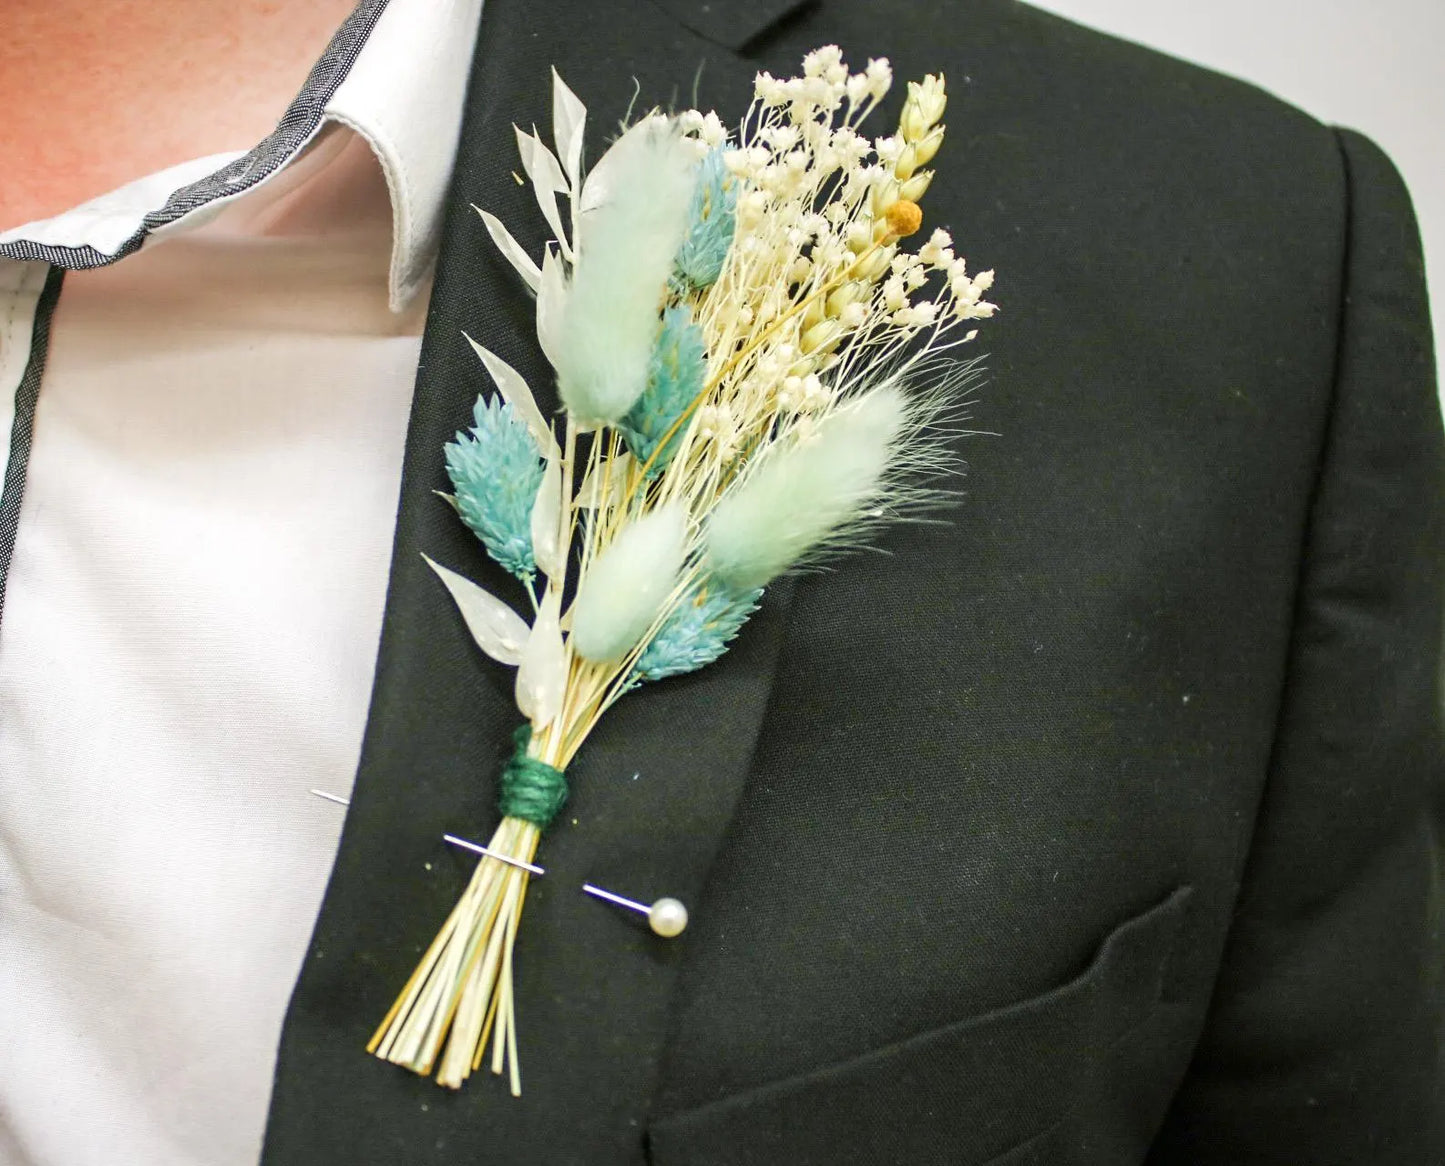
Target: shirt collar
395	73
404	94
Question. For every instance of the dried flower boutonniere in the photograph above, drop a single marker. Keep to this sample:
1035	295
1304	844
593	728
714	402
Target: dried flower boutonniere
753	373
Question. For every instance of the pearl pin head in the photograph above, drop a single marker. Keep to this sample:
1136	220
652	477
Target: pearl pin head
667	917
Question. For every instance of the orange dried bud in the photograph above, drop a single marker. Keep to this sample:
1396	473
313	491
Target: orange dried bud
904	217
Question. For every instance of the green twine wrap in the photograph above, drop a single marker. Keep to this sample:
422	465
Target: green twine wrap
530	789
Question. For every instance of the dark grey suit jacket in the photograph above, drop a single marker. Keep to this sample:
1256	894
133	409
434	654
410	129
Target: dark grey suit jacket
1100	826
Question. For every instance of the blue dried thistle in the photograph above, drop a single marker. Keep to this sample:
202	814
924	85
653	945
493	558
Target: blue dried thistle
674	377
697	631
711	219
496	470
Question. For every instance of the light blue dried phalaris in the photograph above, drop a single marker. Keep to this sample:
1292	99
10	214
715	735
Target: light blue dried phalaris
697	631
496	470
712	218
675	376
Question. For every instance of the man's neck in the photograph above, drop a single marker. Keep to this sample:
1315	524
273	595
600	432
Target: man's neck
97	93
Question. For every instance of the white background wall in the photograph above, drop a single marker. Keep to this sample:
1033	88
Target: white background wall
1377	66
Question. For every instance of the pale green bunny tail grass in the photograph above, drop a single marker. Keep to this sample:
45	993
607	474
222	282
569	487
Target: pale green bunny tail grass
939	390
623	592
874	460
625	255
803	496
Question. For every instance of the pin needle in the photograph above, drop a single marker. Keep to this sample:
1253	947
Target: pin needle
454	840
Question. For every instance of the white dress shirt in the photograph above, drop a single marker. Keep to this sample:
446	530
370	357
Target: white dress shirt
202	502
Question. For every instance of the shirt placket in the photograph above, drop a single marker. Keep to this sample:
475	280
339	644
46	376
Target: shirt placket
25	309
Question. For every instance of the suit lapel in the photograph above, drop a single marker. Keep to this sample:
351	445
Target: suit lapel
654	789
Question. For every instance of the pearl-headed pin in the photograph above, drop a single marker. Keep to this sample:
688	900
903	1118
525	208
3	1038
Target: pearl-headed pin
667	917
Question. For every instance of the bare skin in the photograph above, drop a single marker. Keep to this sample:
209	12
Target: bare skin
97	93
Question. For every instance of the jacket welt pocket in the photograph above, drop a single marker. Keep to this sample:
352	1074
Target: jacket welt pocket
967	1092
